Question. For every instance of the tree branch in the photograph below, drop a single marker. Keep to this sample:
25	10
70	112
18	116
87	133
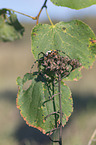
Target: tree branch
44	6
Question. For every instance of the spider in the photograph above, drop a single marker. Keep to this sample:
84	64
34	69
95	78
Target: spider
51	53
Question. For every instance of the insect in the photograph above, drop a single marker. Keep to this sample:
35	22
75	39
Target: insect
51	53
48	54
52	61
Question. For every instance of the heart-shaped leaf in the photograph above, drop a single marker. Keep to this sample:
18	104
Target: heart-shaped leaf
35	106
74	4
73	38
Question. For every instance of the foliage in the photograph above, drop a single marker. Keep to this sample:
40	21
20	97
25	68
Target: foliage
32	104
10	28
74	4
72	37
66	48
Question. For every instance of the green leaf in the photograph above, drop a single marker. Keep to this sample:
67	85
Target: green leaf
73	38
10	28
30	102
34	105
74	4
93	48
75	75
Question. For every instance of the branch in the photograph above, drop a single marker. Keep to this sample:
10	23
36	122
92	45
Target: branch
22	14
34	18
44	6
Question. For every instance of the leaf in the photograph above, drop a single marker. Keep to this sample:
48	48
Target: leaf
30	102
34	105
10	28
93	48
75	75
74	4
73	38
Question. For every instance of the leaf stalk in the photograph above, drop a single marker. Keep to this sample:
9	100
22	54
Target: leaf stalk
34	18
49	18
44	6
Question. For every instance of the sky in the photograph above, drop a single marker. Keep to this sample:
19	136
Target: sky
32	7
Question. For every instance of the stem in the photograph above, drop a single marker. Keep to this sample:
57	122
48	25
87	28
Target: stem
34	18
53	140
49	132
54	106
57	113
49	18
44	6
59	90
51	98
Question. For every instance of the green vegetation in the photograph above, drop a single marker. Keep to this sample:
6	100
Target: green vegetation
61	51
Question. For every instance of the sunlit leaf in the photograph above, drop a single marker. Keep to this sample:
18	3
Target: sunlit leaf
74	4
73	38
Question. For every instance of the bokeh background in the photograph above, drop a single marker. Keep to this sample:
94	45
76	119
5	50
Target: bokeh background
16	59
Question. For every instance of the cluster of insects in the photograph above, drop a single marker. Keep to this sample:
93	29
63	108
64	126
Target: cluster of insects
52	64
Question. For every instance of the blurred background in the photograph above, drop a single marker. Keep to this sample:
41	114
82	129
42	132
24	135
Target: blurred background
16	59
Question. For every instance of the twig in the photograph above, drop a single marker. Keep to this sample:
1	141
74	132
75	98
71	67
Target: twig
34	18
49	132
92	137
53	140
44	6
59	90
51	98
53	113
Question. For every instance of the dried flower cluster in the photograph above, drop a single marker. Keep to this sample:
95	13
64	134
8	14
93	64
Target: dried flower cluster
52	64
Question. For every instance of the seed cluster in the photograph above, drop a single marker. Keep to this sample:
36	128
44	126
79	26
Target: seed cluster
53	64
